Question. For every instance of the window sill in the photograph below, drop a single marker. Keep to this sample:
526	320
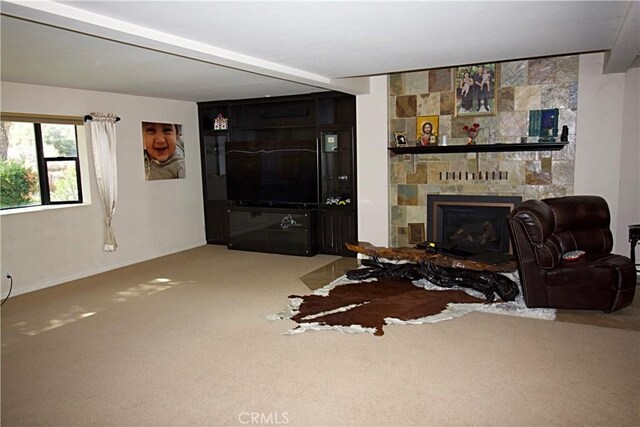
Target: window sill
40	208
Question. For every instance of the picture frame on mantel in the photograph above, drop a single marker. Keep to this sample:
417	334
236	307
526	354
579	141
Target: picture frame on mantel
399	139
427	130
476	92
544	123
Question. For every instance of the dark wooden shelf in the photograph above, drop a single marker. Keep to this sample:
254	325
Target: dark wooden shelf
479	148
277	127
210	132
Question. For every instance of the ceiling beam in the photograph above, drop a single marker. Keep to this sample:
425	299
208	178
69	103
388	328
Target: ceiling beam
67	17
627	45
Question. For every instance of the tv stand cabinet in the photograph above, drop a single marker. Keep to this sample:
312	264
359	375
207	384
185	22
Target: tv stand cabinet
274	230
329	119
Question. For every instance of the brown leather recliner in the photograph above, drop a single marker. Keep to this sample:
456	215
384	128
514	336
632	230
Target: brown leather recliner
542	231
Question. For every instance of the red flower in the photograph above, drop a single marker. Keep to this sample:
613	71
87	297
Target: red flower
471	131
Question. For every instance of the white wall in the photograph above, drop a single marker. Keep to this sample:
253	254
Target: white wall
372	157
152	218
607	133
629	202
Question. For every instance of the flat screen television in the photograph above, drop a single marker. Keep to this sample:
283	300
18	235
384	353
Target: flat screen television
272	172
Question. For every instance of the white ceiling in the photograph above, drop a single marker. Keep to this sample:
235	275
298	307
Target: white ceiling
215	50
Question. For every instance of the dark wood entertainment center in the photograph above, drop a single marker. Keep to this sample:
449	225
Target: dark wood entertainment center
322	225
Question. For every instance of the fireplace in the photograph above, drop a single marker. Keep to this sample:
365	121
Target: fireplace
474	222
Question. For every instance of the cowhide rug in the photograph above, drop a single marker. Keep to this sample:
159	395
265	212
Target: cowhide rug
367	306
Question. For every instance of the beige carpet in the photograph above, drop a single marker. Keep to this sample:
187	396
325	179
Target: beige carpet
183	340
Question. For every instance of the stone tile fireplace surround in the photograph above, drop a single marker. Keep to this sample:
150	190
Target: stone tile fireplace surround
522	86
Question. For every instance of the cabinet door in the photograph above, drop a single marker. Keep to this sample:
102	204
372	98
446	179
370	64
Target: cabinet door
248	230
337	167
290	233
272	230
335	228
217	222
214	163
327	237
347	232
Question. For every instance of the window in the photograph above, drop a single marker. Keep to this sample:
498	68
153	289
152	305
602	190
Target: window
39	162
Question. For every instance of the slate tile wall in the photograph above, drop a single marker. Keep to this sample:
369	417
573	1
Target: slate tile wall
522	86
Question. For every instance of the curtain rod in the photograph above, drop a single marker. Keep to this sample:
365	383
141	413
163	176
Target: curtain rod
90	117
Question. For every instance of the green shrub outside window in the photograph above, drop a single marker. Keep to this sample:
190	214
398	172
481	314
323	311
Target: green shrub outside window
39	164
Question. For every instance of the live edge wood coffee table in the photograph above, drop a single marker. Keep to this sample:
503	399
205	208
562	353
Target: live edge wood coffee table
417	255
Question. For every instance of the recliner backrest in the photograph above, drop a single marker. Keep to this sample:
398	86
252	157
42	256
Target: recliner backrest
557	225
582	222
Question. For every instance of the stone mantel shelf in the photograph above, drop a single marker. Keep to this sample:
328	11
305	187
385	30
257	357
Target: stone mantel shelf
479	148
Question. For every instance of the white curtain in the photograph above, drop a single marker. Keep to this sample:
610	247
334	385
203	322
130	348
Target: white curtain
103	143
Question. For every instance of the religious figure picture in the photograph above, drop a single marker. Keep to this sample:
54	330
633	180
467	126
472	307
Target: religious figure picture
427	130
